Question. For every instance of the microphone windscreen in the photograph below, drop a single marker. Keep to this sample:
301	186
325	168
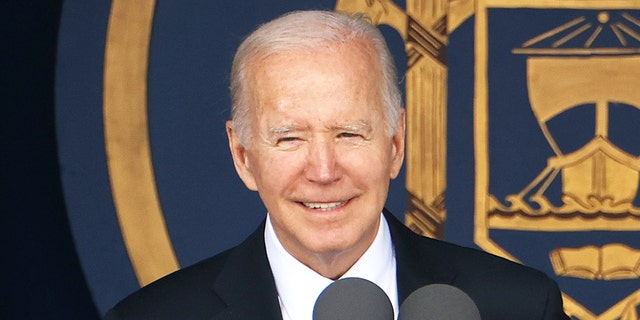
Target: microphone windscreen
439	302
353	299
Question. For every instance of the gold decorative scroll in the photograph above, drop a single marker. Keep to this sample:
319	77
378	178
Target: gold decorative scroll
426	99
424	27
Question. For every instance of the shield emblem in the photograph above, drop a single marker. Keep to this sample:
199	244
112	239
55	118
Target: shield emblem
556	149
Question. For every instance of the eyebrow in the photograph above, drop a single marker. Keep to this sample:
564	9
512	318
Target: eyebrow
358	126
280	130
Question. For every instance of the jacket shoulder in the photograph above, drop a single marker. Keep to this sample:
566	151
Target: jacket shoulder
190	288
501	288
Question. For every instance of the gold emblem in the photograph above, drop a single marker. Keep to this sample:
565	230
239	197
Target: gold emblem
599	180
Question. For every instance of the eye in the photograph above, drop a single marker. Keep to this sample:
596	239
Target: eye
288	142
287	139
352	138
349	135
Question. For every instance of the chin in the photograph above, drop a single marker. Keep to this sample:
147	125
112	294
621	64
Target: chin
329	244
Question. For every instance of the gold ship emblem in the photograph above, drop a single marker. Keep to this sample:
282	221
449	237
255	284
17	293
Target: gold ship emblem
599	180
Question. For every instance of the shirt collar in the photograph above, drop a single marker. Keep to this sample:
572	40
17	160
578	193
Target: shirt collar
298	286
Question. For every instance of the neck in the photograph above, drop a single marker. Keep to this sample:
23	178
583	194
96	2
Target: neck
330	262
333	265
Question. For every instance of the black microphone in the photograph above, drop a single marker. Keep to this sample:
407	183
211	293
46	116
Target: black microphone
439	302
353	299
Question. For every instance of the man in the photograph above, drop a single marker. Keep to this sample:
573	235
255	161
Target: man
318	130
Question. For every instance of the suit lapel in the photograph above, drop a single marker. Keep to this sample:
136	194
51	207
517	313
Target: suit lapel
419	261
246	283
247	286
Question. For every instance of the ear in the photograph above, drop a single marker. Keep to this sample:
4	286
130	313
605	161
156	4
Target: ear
397	148
240	158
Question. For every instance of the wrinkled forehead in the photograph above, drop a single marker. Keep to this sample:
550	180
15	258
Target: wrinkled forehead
354	49
354	61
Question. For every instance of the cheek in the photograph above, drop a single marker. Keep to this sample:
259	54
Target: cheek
368	164
276	170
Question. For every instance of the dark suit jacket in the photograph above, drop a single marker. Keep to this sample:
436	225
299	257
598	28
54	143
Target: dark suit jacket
238	284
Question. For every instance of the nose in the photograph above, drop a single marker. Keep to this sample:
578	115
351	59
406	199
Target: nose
322	165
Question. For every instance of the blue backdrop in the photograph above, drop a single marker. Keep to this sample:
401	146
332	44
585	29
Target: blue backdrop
206	207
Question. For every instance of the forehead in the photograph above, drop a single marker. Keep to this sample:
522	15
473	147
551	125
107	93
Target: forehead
354	57
338	73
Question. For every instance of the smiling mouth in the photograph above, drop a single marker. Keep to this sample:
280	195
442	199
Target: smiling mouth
324	205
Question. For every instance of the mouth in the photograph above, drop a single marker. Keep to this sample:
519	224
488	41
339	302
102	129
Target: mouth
324	206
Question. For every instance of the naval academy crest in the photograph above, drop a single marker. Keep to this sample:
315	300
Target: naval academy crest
559	171
555	130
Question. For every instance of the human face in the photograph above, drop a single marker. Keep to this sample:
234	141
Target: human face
320	154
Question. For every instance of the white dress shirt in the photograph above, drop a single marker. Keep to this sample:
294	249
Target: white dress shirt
298	286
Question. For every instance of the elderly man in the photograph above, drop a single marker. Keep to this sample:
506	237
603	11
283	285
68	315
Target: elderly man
317	130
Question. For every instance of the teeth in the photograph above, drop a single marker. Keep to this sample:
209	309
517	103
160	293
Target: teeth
324	206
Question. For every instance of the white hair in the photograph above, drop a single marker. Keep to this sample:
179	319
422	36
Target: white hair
309	30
